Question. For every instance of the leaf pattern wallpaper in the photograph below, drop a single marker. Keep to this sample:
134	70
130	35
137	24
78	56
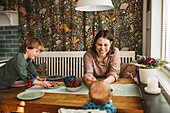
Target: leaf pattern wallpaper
62	28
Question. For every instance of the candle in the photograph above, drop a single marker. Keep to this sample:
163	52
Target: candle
152	83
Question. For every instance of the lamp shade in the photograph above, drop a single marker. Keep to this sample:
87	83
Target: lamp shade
94	5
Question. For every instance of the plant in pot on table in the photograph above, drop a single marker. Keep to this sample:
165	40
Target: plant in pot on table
147	67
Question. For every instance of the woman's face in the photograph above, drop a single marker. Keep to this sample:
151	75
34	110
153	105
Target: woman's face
102	47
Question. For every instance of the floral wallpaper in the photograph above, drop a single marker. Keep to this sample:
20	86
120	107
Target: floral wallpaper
62	28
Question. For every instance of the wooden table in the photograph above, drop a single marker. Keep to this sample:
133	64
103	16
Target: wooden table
51	102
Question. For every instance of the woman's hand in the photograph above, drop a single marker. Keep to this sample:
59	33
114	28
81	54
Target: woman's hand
89	80
110	79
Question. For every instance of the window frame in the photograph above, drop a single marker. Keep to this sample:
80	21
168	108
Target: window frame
157	50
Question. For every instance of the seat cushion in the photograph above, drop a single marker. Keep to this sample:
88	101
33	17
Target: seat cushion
127	71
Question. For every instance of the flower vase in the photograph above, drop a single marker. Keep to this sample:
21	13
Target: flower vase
146	73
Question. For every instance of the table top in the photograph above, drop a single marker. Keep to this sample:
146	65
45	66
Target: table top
51	102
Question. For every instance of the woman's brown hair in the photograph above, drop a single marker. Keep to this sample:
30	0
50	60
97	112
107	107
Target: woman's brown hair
104	34
31	43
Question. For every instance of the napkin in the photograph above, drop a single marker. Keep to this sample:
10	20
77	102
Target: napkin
64	110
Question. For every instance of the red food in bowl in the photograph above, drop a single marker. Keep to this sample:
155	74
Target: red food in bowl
73	85
68	78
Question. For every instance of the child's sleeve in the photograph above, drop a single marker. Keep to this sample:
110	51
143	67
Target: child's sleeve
22	69
31	68
22	66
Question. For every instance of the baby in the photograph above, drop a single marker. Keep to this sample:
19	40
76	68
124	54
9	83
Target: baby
100	97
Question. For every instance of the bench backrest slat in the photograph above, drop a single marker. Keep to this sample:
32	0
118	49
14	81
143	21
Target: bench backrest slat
71	62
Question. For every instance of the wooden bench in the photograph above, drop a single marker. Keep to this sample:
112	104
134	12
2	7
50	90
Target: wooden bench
71	62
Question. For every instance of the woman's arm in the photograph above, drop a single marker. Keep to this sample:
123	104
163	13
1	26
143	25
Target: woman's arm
88	68
110	79
114	67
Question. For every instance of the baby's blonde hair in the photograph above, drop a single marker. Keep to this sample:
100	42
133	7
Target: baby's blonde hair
99	92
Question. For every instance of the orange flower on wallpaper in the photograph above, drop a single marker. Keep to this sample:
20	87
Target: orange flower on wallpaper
110	18
74	39
99	14
131	28
50	30
22	10
124	6
21	19
63	37
32	22
65	27
42	11
72	0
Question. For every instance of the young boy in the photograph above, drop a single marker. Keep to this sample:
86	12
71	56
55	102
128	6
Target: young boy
16	68
100	97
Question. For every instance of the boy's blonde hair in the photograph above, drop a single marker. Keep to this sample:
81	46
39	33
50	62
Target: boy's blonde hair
31	43
99	92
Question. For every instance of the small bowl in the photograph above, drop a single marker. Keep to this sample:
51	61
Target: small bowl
68	78
73	89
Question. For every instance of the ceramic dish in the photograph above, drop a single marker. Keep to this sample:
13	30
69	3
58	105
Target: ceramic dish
19	83
72	89
152	92
30	95
53	87
54	78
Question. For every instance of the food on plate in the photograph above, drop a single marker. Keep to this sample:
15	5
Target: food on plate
54	83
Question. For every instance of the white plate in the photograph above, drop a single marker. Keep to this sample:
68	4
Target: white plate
30	95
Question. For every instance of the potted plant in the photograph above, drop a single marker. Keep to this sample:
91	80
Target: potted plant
147	67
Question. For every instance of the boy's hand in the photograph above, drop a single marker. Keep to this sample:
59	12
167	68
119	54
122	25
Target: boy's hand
40	79
45	84
41	83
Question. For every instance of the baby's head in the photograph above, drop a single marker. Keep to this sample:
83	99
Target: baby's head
99	92
31	43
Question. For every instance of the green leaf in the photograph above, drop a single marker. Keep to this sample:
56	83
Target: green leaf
138	65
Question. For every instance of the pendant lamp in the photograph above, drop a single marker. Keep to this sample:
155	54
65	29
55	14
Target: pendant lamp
94	5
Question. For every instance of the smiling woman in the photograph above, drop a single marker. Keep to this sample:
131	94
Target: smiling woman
103	60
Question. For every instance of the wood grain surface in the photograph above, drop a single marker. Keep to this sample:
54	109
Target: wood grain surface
51	102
